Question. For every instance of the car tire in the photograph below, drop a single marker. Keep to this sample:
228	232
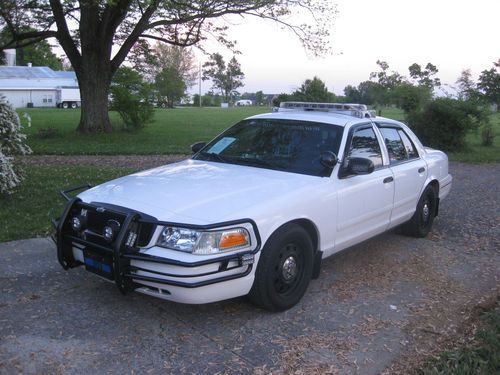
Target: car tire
65	105
284	269
421	222
73	105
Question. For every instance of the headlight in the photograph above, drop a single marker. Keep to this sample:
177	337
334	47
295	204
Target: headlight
204	242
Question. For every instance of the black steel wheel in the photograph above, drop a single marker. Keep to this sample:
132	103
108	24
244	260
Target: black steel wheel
421	222
284	269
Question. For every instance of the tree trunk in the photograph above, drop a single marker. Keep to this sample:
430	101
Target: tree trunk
94	85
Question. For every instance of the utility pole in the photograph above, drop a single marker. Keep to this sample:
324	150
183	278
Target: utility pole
199	85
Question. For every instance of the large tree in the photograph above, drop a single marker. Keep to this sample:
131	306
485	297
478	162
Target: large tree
426	76
387	82
314	90
88	30
150	60
489	84
466	87
170	86
226	78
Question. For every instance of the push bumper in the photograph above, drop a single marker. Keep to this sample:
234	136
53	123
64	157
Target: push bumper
132	263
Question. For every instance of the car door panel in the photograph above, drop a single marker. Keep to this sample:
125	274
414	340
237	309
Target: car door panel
364	201
409	170
364	207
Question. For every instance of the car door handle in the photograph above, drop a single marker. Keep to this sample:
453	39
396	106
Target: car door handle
388	179
421	170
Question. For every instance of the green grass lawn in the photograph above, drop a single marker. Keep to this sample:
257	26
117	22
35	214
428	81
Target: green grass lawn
475	153
172	131
28	212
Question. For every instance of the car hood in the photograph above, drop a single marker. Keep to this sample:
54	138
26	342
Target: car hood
198	192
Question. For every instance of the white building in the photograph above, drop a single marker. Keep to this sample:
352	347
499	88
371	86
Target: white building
34	86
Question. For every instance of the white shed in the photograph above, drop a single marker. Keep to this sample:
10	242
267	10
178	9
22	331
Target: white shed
33	86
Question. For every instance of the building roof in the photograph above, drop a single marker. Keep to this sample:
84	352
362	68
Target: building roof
34	72
35	78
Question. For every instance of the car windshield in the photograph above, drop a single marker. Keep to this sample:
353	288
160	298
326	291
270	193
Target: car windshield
285	145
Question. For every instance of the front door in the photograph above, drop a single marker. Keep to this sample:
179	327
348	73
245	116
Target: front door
364	201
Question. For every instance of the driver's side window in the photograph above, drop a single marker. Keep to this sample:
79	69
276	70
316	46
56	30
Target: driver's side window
364	144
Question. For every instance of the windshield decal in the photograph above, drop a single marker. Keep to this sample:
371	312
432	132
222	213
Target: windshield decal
221	145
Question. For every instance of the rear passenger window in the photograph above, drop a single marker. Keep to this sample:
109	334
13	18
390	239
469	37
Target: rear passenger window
409	146
364	144
394	144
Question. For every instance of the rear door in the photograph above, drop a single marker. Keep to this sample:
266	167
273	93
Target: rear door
409	170
364	201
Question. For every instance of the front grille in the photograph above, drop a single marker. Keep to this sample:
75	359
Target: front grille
95	218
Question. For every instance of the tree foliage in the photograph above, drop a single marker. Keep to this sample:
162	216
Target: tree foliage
386	80
39	54
226	78
426	76
88	30
411	98
489	84
443	123
467	89
313	90
131	99
12	142
170	86
151	60
259	98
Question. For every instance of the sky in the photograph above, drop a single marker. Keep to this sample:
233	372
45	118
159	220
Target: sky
453	35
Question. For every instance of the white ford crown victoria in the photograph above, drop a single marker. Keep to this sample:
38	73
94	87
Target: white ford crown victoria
255	210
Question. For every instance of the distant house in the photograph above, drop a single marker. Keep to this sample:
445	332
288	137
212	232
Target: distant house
34	86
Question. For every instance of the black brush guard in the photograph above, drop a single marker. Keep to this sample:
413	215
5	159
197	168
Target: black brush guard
126	245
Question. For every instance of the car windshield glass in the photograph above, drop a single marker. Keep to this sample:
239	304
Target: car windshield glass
285	145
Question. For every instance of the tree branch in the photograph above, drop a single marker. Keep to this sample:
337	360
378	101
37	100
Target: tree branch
63	35
19	40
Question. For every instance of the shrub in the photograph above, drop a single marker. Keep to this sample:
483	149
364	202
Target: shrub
411	98
487	135
12	142
46	133
131	99
444	123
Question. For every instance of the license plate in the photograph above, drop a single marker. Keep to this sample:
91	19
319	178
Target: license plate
101	265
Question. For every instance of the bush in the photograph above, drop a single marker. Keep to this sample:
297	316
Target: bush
411	98
12	142
487	135
444	123
47	133
131	99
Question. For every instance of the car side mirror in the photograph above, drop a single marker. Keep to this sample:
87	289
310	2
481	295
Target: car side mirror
195	147
328	159
360	166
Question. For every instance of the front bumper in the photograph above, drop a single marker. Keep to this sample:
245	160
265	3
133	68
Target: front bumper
132	263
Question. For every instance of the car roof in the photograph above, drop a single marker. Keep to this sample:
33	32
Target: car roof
332	118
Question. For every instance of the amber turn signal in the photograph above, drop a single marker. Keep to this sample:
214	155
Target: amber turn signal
233	238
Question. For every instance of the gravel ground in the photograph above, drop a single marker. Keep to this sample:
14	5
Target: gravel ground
379	307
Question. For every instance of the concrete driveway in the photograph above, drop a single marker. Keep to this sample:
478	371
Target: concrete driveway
380	306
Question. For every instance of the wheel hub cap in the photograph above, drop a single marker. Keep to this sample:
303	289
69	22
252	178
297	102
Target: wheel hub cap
425	211
289	269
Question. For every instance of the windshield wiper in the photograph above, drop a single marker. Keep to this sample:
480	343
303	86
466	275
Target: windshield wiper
260	163
213	157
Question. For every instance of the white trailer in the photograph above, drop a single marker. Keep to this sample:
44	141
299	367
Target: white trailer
68	97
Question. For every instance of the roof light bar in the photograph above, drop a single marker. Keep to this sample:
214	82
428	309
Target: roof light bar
350	109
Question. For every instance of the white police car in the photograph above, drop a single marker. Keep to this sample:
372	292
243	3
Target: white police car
255	210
